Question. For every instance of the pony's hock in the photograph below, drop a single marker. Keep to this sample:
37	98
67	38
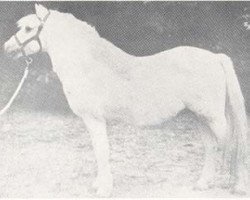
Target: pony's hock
101	83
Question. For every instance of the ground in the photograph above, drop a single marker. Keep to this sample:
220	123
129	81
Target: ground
48	155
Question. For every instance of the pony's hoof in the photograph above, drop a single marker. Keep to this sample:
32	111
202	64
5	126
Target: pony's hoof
202	185
239	190
103	186
95	184
104	191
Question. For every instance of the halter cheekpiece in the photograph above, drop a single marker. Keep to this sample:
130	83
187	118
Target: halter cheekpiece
22	45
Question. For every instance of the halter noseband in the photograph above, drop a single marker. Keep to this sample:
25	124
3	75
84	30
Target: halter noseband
22	45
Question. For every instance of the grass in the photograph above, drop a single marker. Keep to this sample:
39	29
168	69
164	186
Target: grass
49	155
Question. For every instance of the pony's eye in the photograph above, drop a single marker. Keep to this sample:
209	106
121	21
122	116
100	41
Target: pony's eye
28	29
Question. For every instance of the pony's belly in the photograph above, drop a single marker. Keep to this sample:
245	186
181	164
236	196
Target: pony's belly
156	113
144	107
146	112
119	114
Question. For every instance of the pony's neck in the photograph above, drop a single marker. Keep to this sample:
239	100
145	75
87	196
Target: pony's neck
66	37
71	42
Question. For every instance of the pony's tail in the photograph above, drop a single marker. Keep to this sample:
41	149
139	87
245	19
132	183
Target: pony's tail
238	119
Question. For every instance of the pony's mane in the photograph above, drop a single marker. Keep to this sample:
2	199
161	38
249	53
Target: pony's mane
79	26
100	48
103	48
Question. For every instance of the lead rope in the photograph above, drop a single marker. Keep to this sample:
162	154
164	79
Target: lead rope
28	61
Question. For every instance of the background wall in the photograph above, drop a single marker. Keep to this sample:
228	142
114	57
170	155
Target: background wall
138	28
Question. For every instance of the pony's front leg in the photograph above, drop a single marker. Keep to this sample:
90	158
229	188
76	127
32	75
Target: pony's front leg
98	132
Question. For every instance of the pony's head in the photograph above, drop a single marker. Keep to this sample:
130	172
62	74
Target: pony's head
27	40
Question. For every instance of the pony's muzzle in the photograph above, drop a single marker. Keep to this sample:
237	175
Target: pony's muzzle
10	49
7	49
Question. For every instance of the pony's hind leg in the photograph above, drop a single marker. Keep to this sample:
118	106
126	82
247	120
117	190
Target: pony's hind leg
208	139
212	139
97	130
238	169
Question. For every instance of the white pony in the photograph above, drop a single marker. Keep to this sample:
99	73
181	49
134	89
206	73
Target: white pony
101	82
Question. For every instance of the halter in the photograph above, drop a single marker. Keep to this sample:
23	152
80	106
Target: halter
22	45
28	60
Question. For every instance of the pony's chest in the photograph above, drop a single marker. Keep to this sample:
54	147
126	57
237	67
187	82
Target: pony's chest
82	88
83	97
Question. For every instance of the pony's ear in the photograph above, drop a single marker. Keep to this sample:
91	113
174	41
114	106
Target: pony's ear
41	11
